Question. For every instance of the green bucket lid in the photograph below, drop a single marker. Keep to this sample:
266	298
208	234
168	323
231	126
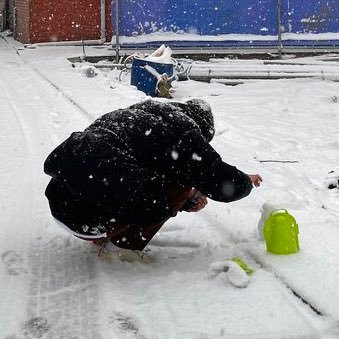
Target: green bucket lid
281	233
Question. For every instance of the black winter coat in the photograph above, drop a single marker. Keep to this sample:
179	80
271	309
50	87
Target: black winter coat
118	169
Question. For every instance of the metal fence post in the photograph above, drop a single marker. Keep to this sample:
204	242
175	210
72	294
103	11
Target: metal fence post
117	32
279	29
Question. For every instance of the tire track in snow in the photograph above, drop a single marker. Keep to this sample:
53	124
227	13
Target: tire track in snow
19	207
62	291
53	84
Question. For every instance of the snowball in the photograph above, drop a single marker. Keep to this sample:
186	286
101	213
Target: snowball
231	271
216	268
266	209
236	275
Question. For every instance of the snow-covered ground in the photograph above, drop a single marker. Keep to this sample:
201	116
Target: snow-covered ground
53	285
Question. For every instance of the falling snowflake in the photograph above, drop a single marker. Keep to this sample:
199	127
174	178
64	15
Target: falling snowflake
196	157
175	155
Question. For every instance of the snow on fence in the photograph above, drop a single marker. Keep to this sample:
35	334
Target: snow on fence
222	70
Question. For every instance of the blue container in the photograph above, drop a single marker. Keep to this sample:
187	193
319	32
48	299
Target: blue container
143	79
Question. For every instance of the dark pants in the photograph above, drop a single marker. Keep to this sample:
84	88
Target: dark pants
136	237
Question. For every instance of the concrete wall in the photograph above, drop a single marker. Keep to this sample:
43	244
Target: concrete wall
6	15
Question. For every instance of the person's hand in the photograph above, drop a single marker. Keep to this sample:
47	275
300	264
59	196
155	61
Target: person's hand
256	179
197	202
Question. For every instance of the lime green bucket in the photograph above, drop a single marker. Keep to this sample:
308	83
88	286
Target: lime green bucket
281	233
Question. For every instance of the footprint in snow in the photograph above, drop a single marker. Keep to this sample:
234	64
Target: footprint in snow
332	180
125	324
35	327
14	262
334	99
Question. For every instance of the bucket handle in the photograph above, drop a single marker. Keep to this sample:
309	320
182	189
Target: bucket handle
278	211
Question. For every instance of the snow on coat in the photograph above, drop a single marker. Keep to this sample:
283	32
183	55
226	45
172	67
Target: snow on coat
119	168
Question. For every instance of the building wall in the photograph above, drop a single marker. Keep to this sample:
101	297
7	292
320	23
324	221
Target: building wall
22	21
62	20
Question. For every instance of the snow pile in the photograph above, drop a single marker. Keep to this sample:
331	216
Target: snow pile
266	209
87	70
162	55
230	272
170	36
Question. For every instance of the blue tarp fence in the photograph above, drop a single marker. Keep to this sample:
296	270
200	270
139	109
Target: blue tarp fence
206	18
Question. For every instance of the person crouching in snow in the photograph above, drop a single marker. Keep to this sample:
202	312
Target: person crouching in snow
125	175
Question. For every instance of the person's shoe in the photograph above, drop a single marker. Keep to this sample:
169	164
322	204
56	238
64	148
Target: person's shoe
111	252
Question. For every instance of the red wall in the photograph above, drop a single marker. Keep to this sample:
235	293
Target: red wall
63	20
